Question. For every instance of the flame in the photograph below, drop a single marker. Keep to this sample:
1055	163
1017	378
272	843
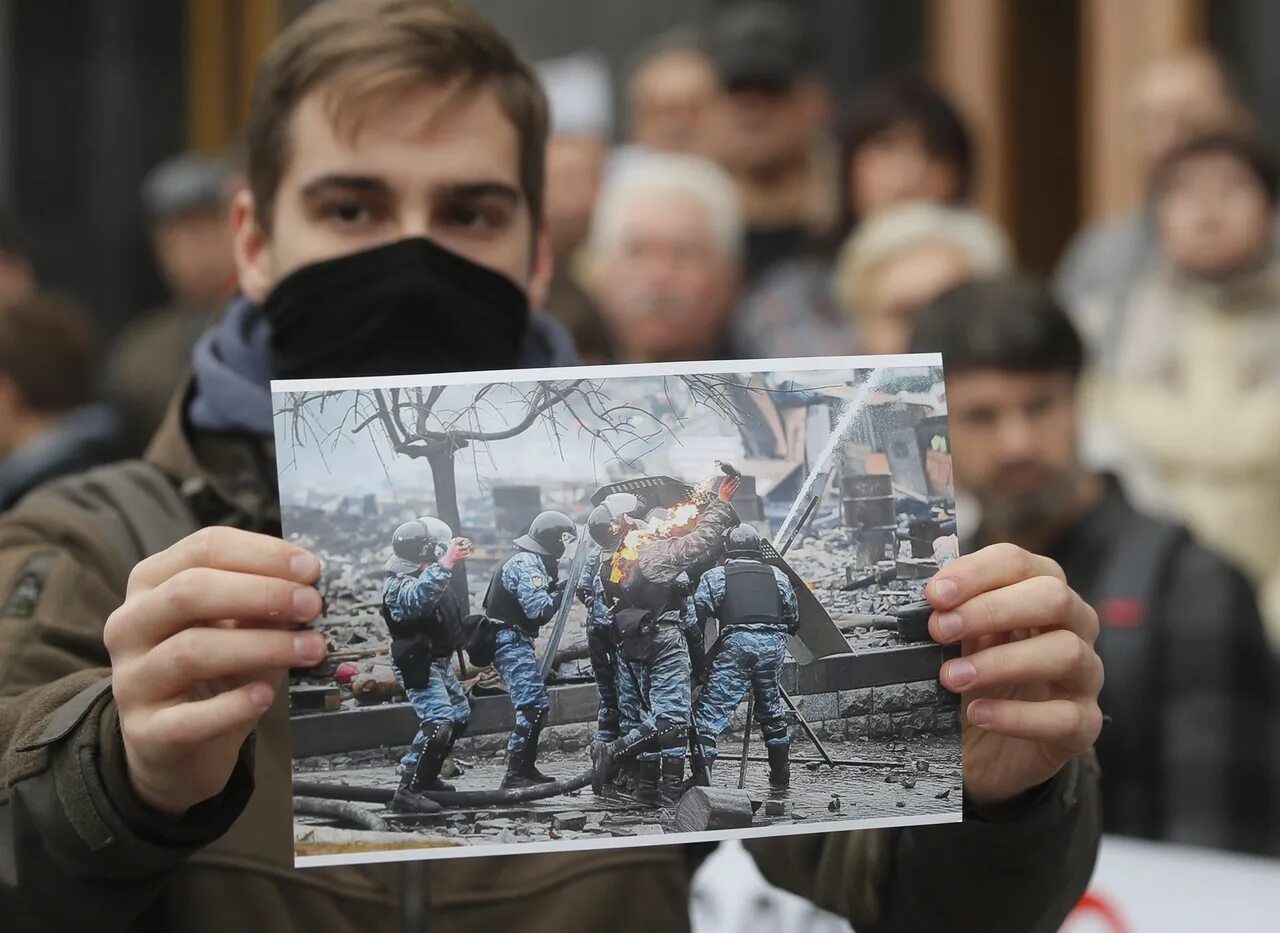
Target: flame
680	516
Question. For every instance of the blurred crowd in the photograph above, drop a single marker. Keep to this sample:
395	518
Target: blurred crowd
1123	418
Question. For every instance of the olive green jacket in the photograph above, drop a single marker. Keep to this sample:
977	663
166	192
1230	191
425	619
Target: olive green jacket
79	850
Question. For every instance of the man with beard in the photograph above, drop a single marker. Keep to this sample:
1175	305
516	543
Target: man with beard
1191	688
149	610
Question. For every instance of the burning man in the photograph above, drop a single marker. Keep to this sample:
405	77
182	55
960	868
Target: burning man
524	593
755	605
424	618
646	594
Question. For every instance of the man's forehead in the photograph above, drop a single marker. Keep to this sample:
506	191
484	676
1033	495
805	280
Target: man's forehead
1002	382
425	134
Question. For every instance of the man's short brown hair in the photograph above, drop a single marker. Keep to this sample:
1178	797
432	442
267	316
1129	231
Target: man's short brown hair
49	348
367	50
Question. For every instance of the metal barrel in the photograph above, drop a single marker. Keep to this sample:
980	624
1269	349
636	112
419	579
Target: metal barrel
867	500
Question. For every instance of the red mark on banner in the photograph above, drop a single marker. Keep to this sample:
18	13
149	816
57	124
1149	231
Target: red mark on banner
1094	909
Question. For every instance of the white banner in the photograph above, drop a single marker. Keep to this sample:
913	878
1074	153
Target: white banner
1137	887
1146	887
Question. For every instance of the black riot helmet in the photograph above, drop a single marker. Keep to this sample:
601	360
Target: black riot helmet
416	540
548	534
606	523
603	530
742	541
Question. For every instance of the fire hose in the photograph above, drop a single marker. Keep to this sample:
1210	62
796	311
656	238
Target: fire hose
627	747
446	798
338	809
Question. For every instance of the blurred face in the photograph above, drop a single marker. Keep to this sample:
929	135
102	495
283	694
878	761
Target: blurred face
666	288
899	287
1175	99
754	129
895	167
1014	444
422	165
12	408
575	165
194	254
670	95
17	281
1214	217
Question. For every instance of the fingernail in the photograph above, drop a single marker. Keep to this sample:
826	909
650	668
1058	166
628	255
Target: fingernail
961	671
950	625
304	566
308	647
260	695
304	603
945	590
980	713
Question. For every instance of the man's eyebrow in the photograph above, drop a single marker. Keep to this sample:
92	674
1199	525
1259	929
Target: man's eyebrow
482	189
350	183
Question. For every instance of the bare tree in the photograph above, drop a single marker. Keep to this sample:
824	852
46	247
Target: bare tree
417	423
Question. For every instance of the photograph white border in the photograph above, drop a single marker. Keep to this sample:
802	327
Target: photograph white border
438	852
611	371
615	371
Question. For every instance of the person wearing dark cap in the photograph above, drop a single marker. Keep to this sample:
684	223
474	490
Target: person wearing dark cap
1191	689
904	141
50	422
185	199
766	126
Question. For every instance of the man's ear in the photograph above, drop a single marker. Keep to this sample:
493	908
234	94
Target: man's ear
252	248
544	266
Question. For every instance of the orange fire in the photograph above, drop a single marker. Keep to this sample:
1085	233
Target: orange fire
680	516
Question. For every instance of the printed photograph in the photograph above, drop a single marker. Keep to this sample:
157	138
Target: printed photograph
619	605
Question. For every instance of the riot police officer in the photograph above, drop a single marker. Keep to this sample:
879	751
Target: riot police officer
523	595
755	605
619	710
659	640
424	617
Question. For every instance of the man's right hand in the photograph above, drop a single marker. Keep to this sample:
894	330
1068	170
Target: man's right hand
729	487
459	549
198	650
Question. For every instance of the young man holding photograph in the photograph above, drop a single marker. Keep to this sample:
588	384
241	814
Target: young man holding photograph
392	225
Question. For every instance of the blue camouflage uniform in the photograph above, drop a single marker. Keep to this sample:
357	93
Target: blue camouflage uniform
619	711
663	679
409	595
751	658
524	576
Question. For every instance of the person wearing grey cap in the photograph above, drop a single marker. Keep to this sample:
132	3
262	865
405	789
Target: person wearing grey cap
767	128
184	198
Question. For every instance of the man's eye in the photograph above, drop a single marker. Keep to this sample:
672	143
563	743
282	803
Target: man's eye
474	218
348	212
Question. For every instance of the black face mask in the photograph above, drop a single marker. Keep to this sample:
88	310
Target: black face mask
405	308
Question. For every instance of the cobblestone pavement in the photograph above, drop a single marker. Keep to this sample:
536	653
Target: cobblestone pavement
907	779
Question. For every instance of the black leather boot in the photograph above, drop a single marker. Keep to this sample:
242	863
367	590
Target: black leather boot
646	790
458	732
672	779
779	766
409	795
531	771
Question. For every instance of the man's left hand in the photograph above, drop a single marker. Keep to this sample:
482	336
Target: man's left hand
1028	675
